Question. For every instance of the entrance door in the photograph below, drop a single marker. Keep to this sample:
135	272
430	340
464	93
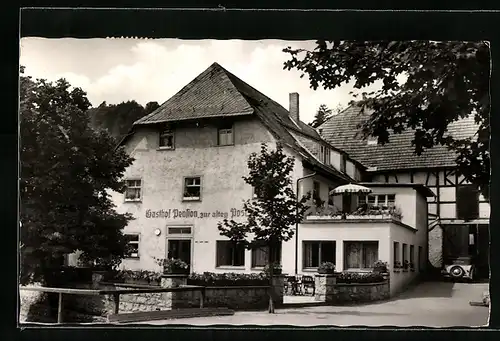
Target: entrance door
180	249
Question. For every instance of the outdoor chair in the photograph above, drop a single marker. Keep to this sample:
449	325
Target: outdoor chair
292	285
308	283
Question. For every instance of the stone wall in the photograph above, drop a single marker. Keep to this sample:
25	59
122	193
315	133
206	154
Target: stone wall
238	298
361	292
329	291
96	308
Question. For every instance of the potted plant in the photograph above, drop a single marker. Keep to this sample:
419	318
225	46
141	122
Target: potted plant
412	266
380	267
277	269
397	266
326	268
396	213
173	266
406	265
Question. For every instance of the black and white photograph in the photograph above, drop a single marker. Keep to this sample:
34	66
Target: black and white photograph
261	182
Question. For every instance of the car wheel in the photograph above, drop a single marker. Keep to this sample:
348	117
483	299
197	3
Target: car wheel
457	272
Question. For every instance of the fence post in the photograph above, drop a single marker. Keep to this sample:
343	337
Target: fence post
60	309
202	298
116	298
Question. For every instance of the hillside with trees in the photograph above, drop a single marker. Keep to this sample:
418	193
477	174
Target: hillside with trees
117	119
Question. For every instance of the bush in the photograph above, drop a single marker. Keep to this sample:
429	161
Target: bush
173	265
68	275
357	277
380	266
210	279
326	268
130	276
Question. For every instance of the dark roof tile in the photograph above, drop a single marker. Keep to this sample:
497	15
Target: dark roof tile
218	93
342	132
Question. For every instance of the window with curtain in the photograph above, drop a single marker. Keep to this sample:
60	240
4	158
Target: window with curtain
360	254
133	190
167	139
405	252
230	254
225	135
260	256
317	252
396	254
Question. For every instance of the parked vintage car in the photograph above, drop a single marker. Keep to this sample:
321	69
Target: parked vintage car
459	268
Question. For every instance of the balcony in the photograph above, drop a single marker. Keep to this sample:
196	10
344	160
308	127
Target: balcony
364	212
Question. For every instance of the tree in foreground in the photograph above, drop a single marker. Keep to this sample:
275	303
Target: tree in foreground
323	114
426	85
66	170
272	215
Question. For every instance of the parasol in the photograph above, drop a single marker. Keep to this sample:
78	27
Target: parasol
350	188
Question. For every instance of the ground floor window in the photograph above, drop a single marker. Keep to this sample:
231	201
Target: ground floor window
229	253
317	252
360	254
260	256
405	253
412	256
396	255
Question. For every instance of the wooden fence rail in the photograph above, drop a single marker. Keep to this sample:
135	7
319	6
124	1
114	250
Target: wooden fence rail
114	292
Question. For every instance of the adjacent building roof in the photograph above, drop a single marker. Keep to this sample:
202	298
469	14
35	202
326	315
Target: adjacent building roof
218	93
343	132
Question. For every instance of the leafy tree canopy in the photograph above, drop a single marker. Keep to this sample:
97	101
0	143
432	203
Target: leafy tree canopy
426	86
67	169
271	217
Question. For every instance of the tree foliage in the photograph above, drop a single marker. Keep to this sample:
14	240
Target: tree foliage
425	86
117	119
150	107
322	114
67	169
271	216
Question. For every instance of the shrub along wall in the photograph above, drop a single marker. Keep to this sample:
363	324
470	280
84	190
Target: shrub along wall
210	279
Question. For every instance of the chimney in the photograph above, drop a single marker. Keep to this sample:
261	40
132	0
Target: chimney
294	106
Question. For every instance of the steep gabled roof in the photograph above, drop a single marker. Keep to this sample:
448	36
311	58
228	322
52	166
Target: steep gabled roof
218	93
342	132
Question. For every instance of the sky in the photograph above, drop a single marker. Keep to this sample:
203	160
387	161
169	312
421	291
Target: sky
144	70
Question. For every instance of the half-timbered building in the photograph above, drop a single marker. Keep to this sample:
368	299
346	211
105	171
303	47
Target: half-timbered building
458	215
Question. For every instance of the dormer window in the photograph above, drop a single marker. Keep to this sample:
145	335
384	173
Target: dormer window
324	154
167	139
225	136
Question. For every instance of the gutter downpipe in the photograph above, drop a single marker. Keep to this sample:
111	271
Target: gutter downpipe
297	223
